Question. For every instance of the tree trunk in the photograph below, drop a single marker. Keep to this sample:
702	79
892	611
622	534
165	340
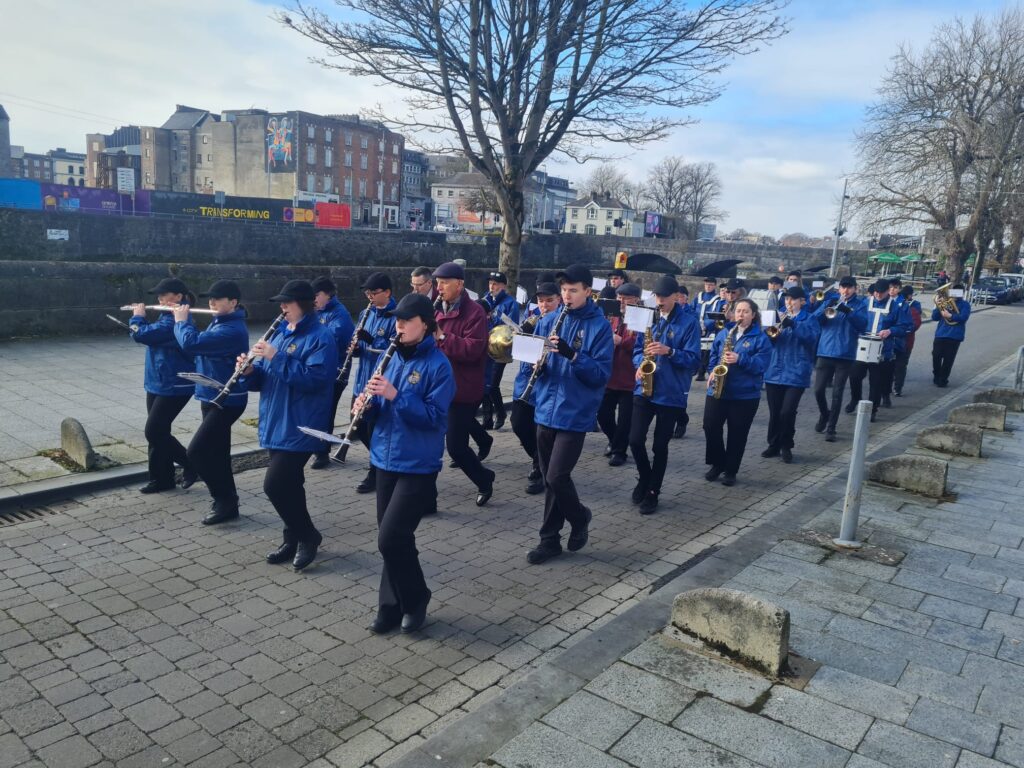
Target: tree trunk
1012	253
957	252
512	237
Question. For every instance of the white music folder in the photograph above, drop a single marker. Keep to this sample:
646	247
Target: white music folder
527	348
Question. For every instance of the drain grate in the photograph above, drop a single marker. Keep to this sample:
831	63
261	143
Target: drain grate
15	516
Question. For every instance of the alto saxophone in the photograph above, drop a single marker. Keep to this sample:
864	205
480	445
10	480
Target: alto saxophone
721	370
647	368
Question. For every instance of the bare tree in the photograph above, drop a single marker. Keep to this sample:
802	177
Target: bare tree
666	184
703	191
947	123
481	200
606	178
511	82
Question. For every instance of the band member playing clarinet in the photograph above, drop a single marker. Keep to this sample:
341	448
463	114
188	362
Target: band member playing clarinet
672	346
216	350
523	424
373	339
744	350
789	372
568	390
411	395
462	335
166	393
333	315
616	412
294	374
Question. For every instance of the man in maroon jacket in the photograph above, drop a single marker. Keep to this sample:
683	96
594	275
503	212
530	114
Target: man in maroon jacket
618	393
462	335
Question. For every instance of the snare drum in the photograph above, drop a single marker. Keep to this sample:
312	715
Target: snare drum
706	342
869	349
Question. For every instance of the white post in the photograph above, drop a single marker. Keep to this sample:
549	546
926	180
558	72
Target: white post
855	479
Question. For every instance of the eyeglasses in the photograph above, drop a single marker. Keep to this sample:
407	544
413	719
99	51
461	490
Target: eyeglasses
370	294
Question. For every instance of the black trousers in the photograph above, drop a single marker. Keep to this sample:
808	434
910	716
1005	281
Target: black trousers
664	418
858	372
493	393
838	371
616	429
559	451
899	374
783	403
460	417
339	387
209	453
525	428
164	449
879	381
705	358
284	485
943	356
736	416
400	507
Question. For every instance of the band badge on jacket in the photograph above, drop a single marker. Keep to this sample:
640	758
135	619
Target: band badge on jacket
292	348
671	334
380	331
135	329
746	345
323	321
414	378
578	343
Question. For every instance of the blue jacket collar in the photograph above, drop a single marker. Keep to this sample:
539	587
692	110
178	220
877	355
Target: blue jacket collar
332	305
390	305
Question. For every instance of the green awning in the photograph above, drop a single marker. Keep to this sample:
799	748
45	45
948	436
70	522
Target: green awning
886	258
912	257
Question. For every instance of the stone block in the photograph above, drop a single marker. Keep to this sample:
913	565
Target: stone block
917	474
753	630
955	439
75	443
1011	398
984	415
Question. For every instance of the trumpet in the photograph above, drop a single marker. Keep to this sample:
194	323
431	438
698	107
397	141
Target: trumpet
819	296
169	308
774	331
831	312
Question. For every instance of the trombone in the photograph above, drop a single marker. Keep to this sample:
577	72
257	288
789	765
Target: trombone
166	308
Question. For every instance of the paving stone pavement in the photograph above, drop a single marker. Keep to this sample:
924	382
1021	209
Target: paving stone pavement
131	635
921	664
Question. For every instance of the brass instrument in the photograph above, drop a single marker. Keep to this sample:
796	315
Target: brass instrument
720	324
943	301
528	325
169	308
647	368
720	371
831	312
346	366
539	366
499	343
819	296
774	331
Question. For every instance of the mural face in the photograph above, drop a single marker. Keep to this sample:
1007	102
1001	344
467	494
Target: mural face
280	144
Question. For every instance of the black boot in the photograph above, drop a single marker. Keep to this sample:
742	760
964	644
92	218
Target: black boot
305	552
221	511
369	484
320	461
499	410
282	554
487	412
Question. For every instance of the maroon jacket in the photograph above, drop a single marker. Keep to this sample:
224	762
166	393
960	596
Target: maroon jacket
623	377
465	344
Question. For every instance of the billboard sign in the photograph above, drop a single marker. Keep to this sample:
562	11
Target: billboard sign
89	200
126	181
233	208
280	144
333	216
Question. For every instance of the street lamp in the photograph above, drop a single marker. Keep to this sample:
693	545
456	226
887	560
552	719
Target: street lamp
838	231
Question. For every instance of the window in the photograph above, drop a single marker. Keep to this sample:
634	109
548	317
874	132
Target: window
348	138
174	153
348	159
572	228
328	157
199	158
363	142
575	213
327	183
591	213
71	182
609	214
362	187
146	154
311	131
81	182
591	229
451	193
348	186
440	193
71	168
149	178
607	230
394	166
362	162
81	170
95	146
206	139
311	154
327	134
310	182
462	193
394	191
174	178
147	134
394	149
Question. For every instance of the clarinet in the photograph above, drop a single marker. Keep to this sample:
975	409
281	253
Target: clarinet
249	358
339	455
539	365
347	365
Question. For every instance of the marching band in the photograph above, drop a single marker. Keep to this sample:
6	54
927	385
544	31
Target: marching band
428	363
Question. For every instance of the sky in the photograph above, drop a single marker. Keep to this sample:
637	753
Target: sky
781	135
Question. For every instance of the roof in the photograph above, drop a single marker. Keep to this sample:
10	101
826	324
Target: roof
3	113
601	200
184	118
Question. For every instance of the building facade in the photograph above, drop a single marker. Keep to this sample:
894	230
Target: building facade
5	144
415	203
67	168
464	200
547	197
30	165
599	214
106	152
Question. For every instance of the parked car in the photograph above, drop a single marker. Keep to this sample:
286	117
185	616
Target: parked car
990	290
447	227
1018	283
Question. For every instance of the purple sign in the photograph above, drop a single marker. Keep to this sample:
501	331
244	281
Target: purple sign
87	200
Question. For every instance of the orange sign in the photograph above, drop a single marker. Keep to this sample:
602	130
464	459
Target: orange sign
620	260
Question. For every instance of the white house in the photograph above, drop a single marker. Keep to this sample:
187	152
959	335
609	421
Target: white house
598	214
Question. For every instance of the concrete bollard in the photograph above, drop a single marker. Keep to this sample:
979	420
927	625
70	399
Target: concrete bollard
919	474
736	623
1011	398
984	415
75	443
956	439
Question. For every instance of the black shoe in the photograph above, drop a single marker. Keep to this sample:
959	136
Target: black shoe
499	421
488	423
874	415
886	401
639	492
305	553
484	495
282	554
944	383
221	512
649	503
369	483
385	622
533	487
898	393
152	487
787	456
578	539
821	424
416	619
485	448
851	406
830	436
617	460
453	464
609	450
701	377
541	554
712	474
770	452
188	478
321	461
680	432
729	480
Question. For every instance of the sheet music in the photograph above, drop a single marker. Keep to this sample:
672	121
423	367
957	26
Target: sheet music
599	284
527	348
648	299
768	317
638	319
472	295
512	323
521	295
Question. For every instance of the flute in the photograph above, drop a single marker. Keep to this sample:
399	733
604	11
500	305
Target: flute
165	308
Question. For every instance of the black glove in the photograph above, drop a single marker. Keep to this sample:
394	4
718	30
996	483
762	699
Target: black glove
365	336
565	349
844	308
787	322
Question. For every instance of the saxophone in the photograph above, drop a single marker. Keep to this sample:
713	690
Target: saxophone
721	370
647	368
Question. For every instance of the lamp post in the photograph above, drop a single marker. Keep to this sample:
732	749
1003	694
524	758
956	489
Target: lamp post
838	232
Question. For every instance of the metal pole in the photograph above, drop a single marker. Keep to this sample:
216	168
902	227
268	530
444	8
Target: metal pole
839	226
855	479
380	183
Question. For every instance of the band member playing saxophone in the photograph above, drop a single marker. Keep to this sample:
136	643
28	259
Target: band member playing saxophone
668	354
333	315
294	374
569	387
